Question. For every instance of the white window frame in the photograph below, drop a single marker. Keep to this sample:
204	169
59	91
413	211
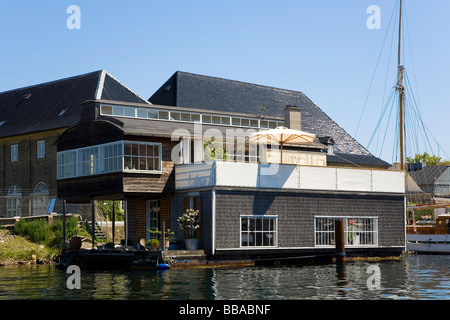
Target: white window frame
39	199
132	167
40	149
101	159
353	234
251	235
182	116
14	153
14	202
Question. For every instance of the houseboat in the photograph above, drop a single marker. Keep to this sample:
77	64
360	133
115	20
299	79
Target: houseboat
254	202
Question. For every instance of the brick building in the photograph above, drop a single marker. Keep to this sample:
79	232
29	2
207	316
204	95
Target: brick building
31	120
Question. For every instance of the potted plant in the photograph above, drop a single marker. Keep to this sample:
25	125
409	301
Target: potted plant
190	221
168	236
153	244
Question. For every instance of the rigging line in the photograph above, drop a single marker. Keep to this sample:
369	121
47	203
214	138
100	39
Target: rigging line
412	57
395	151
412	124
375	71
387	125
414	113
389	65
348	161
383	112
421	122
388	103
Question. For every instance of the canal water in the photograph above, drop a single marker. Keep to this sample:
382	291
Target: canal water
423	277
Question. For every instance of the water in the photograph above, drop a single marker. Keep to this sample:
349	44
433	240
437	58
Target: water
414	277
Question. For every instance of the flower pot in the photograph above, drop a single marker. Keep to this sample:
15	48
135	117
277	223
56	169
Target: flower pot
191	244
75	243
154	247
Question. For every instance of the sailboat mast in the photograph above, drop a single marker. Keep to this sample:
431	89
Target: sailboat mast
401	90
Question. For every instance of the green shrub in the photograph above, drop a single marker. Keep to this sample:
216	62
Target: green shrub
18	248
38	230
72	228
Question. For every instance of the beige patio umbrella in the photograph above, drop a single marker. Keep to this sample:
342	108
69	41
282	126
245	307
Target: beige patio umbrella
281	136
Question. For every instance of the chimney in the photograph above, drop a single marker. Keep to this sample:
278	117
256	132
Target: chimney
293	117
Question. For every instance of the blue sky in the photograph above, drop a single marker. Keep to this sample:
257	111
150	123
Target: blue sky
322	48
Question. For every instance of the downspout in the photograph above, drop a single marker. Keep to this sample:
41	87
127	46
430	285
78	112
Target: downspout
213	209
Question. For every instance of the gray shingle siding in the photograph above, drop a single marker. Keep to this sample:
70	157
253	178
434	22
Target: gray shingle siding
296	213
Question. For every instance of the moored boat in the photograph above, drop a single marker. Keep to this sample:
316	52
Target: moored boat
431	236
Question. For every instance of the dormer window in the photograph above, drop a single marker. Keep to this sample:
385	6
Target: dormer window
330	150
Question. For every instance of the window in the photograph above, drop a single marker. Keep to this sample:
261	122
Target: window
109	157
206	119
14	153
192	201
158	114
195	117
14	202
67	164
164	115
147	113
142	156
357	231
39	199
175	116
107	110
41	149
88	161
259	231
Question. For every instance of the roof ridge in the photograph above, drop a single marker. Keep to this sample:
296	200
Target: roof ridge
50	82
331	119
100	83
98	94
240	81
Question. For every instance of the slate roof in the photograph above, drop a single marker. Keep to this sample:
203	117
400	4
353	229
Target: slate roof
56	104
347	158
198	91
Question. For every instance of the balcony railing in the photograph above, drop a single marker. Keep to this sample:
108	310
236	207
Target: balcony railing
278	176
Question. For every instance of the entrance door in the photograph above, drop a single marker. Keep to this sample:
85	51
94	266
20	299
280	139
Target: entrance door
151	218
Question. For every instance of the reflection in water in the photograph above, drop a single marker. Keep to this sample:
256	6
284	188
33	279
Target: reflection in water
342	281
414	277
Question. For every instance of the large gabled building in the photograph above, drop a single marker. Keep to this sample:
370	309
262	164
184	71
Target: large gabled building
189	90
31	120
